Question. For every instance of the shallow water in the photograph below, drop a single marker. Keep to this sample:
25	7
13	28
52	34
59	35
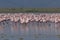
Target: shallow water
31	31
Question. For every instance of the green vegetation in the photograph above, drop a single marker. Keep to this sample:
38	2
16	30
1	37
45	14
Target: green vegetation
41	10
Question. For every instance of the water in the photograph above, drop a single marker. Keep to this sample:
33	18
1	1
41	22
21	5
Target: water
31	31
30	3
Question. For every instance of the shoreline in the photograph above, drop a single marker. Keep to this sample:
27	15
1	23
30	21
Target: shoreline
30	10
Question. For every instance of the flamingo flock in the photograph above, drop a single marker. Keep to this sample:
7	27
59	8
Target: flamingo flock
26	17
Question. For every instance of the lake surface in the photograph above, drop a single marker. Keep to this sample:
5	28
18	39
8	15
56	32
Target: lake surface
31	31
30	3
